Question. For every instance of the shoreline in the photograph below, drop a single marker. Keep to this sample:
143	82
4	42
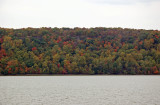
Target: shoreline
81	75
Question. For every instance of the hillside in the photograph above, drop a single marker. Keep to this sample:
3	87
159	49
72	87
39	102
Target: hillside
79	51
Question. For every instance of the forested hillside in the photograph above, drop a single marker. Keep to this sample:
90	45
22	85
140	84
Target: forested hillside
79	51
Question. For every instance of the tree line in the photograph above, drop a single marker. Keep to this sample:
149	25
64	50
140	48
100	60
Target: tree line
76	50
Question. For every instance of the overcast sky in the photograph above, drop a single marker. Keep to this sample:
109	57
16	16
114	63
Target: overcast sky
139	14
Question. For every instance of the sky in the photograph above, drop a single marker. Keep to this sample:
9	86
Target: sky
137	14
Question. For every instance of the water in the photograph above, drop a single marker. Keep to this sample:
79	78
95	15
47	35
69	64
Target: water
80	90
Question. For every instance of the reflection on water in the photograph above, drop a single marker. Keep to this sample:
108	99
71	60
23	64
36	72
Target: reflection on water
79	90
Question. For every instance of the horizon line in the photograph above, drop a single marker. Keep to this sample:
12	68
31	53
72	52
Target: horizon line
80	28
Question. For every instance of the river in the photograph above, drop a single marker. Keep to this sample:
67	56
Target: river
80	90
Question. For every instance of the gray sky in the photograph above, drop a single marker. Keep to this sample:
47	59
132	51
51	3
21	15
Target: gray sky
139	14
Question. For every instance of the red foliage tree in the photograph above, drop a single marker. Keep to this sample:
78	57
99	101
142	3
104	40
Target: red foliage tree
155	70
136	47
34	48
156	36
59	39
115	50
58	65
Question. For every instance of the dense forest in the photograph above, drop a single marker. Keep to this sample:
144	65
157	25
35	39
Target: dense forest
79	51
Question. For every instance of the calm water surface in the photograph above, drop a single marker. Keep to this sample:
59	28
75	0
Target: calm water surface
79	90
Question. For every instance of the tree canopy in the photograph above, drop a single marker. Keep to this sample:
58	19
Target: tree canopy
79	51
